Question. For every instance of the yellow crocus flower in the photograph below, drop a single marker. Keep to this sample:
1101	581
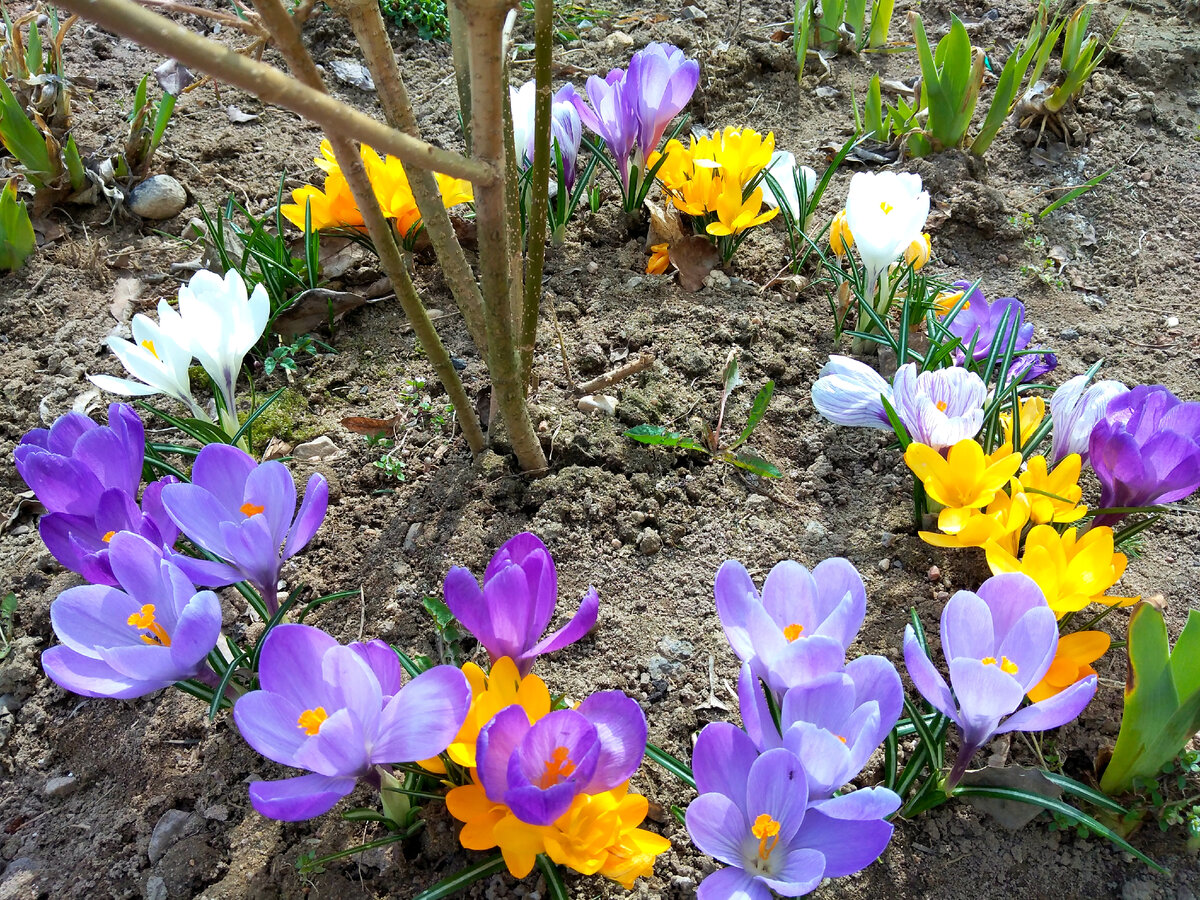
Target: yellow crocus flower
840	238
676	170
1000	524
735	215
918	253
1033	411
660	259
1038	483
1071	573
1072	662
742	153
964	478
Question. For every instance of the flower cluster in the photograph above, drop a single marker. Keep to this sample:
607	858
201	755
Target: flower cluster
335	207
566	128
768	805
142	624
542	779
217	323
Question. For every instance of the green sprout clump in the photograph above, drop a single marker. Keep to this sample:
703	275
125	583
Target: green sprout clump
427	16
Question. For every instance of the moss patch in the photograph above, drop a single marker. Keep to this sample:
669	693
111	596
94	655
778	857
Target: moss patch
287	419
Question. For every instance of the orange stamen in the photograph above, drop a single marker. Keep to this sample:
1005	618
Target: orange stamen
558	767
793	631
251	509
766	830
144	620
149	345
108	536
310	720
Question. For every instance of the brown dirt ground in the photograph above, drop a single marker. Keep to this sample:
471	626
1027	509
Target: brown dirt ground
1131	262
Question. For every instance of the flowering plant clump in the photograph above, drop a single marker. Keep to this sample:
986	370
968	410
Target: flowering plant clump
334	207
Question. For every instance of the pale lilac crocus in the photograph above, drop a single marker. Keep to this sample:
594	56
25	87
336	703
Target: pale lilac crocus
537	770
87	476
755	814
324	707
510	613
833	723
566	131
660	82
799	627
848	392
155	630
245	513
940	407
610	115
1075	408
1146	450
998	643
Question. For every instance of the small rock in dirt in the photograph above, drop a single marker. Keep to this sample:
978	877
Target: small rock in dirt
717	280
693	13
171	827
410	539
884	564
158	197
156	889
601	404
1172	322
62	786
1069	334
353	74
321	448
649	543
618	41
935	574
676	648
942	596
816	529
756	501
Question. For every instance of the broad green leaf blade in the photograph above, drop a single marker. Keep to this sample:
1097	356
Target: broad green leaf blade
23	139
17	239
758	409
752	462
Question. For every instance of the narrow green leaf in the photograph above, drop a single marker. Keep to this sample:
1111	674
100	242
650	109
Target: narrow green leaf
752	462
459	881
758	409
554	881
672	764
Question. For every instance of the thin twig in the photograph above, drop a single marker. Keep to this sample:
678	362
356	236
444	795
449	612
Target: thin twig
619	374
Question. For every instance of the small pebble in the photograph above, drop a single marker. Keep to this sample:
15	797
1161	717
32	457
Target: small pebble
693	13
935	574
62	786
172	826
600	404
649	543
1172	322
884	564
158	197
410	539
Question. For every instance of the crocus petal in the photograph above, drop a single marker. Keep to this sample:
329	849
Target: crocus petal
756	714
197	514
270	486
927	679
288	666
736	597
848	835
731	884
581	623
1053	711
309	518
966	628
717	827
465	599
338	748
299	798
91	677
423	718
778	786
223	471
270	724
621	726
197	631
721	761
497	742
801	872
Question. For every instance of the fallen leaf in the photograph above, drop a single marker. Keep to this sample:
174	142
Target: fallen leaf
1010	814
312	309
237	117
23	504
276	449
666	225
125	292
173	76
694	257
370	427
353	74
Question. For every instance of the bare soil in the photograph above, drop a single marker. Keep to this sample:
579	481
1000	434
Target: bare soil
647	528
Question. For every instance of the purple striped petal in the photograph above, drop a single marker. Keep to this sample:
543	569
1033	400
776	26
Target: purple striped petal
778	786
290	665
223	470
497	742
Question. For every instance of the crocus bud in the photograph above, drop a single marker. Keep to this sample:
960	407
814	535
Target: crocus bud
917	253
1075	408
840	238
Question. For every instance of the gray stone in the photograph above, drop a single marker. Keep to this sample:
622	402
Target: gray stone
410	539
599	404
156	889
676	648
62	786
171	827
316	450
649	543
693	13
158	197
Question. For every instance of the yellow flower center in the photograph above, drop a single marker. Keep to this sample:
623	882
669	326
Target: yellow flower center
1006	664
558	767
840	738
108	536
886	207
149	345
793	631
144	620
310	720
766	830
251	509
941	405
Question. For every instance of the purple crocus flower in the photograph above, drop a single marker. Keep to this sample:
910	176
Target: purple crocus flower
1030	367
537	770
1075	409
520	590
998	644
566	130
87	476
660	83
614	118
848	392
940	407
979	321
243	512
127	643
1146	450
754	814
800	626
326	708
833	723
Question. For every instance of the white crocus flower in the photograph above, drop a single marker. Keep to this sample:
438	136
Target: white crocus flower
886	212
157	359
783	169
1075	409
521	102
222	324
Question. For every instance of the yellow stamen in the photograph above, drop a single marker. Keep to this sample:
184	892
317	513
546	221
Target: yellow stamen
941	405
558	767
766	830
1006	664
108	536
793	631
145	620
886	207
840	738
149	345
251	509
310	720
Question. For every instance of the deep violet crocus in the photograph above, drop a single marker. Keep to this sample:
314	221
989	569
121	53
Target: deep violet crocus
833	723
337	712
537	770
998	643
87	476
941	407
244	512
520	590
155	630
799	627
1146	450
978	322
755	814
